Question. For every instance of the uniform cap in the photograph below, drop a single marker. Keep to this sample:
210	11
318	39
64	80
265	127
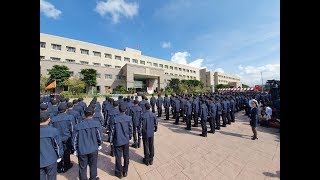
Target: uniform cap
43	106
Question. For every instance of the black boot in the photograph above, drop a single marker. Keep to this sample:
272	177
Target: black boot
139	143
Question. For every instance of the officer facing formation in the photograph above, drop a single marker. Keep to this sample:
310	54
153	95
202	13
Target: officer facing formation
86	143
51	149
187	114
159	105
204	117
153	102
63	122
148	125
121	133
135	113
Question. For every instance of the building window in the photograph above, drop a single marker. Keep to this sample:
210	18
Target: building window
98	75
166	66
117	58
42	57
109	56
166	73
107	65
175	68
149	63
194	77
126	59
171	74
180	75
171	67
84	51
142	62
155	64
56	46
118	77
96	64
108	76
187	70
55	59
161	65
180	69
42	44
84	62
135	61
175	74
188	77
70	60
95	53
184	75
119	67
98	89
71	49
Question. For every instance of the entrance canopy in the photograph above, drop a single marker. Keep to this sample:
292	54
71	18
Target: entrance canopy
142	76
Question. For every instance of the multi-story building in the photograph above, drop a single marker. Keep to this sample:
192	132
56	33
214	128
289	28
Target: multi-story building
127	67
223	78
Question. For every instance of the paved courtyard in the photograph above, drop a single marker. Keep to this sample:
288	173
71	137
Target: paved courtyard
180	154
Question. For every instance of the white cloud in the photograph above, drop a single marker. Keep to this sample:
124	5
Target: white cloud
117	8
251	75
49	10
166	45
181	58
219	70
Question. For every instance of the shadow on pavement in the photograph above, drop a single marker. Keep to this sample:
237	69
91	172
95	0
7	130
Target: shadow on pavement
235	134
271	174
134	156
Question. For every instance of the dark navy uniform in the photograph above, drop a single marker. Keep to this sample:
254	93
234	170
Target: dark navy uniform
121	133
149	125
153	103
87	138
224	113
204	117
166	105
135	113
176	107
75	114
129	106
80	109
187	113
218	115
212	116
142	104
228	112
53	110
63	122
50	150
98	117
195	109
159	105
82	104
232	109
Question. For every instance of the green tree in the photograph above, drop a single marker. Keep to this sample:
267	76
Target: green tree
43	83
174	84
244	86
89	77
75	85
218	86
60	74
120	89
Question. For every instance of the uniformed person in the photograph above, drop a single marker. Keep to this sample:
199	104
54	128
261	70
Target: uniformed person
159	105
130	104
64	123
81	103
228	116
121	133
51	149
143	102
97	114
75	114
78	107
195	109
204	117
187	113
53	109
135	113
176	106
87	140
224	112
153	102
232	108
148	125
114	112
166	105
212	115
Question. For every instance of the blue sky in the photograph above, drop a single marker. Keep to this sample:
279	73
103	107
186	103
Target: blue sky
240	37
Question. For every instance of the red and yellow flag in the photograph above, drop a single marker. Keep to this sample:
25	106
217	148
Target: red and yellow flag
51	85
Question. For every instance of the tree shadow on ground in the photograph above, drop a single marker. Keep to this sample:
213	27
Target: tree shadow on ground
269	174
180	128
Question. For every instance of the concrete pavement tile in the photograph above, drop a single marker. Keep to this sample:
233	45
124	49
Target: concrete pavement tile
215	158
199	169
249	175
154	175
192	155
229	169
179	176
169	169
182	161
237	161
215	174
